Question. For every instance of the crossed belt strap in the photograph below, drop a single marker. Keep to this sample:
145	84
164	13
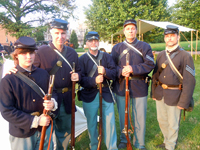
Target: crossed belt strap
172	87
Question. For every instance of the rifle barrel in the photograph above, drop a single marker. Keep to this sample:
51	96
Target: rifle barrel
100	116
46	97
129	147
73	112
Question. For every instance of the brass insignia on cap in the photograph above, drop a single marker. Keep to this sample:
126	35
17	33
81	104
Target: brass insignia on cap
59	63
163	65
125	51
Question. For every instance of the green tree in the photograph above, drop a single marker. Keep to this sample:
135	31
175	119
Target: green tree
14	12
39	33
107	16
186	13
84	41
74	39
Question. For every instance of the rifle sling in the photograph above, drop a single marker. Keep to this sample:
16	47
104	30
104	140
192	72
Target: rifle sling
94	68
171	57
129	47
174	69
56	67
31	83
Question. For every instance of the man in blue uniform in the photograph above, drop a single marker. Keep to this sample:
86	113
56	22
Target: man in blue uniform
19	102
93	73
172	87
140	65
48	58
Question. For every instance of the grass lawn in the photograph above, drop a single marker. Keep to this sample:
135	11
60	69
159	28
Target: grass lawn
161	46
185	45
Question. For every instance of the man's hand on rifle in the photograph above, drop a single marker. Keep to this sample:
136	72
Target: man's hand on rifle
44	120
49	104
101	70
74	76
127	70
179	107
99	79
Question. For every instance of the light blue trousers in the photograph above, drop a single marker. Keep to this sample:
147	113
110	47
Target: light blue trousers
62	125
139	107
32	142
168	118
108	120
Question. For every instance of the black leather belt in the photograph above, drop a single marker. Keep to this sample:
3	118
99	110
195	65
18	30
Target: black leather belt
136	78
103	85
165	86
63	90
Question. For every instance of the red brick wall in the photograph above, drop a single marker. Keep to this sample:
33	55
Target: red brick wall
3	37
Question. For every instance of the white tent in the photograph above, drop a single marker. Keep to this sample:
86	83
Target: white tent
80	119
145	25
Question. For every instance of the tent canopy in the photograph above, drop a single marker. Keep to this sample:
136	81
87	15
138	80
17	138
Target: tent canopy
145	25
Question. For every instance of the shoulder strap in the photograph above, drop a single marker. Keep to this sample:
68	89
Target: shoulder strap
133	48
123	53
129	47
31	83
94	68
174	69
56	66
60	54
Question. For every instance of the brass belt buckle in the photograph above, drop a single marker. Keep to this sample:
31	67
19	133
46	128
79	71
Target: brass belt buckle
35	113
164	86
102	85
64	90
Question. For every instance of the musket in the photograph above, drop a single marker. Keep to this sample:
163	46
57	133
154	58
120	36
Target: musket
125	130
73	112
100	116
47	97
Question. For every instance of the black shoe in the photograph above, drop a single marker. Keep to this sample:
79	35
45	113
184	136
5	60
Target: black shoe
161	145
122	145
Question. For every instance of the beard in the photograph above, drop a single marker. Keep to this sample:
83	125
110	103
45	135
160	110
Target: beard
94	48
171	44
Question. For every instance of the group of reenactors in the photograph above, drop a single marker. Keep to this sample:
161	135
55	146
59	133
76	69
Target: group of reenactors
22	104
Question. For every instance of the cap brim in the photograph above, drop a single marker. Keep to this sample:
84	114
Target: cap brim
93	38
26	47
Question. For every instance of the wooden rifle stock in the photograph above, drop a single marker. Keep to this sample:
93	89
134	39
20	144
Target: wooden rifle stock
100	117
125	130
47	97
73	113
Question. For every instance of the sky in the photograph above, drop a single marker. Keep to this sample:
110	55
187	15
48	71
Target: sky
80	13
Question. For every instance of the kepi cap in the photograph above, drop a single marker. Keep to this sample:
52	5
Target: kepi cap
25	43
130	21
59	24
171	29
92	35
